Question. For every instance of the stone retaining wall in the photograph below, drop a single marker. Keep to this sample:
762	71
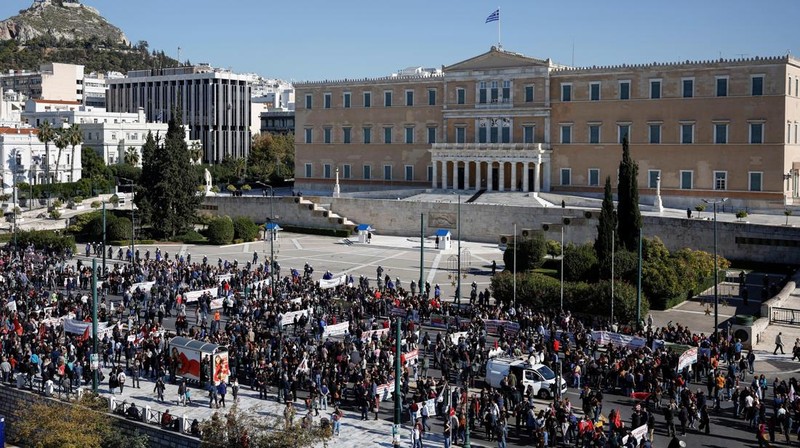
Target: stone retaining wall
12	399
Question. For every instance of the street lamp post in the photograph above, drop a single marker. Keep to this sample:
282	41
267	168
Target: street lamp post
458	286
96	370
133	220
562	268
716	267
514	296
271	233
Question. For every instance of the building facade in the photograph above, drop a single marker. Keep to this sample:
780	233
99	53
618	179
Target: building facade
214	103
277	121
505	122
53	81
24	158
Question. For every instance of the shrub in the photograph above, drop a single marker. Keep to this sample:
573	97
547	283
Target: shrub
533	289
96	204
245	229
553	248
46	239
191	236
580	262
77	199
215	189
231	188
118	229
55	213
57	203
114	200
220	230
530	252
246	187
741	214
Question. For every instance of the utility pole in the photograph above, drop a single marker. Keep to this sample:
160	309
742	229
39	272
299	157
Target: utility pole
397	393
421	252
95	374
104	237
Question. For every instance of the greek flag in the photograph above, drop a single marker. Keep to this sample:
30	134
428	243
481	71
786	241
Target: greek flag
493	17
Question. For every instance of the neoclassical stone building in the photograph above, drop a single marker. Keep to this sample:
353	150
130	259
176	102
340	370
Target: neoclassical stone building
502	121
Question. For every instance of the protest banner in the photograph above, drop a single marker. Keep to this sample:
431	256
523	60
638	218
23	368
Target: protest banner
288	318
384	391
367	335
638	434
193	296
336	329
333	282
687	358
410	358
618	339
492	326
142	286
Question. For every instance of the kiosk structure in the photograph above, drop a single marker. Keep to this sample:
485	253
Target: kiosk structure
272	229
364	233
443	237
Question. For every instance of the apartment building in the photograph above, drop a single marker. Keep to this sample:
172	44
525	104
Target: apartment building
214	103
53	81
506	122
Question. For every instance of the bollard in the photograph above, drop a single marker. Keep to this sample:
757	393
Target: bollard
146	414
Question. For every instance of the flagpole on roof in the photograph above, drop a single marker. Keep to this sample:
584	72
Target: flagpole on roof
499	46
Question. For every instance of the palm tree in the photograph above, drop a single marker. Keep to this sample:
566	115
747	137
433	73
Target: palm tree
196	152
46	135
132	156
74	138
61	142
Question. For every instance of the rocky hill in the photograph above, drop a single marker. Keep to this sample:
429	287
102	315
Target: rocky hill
61	20
69	32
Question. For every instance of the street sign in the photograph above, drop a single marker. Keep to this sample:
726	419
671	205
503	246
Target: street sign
94	361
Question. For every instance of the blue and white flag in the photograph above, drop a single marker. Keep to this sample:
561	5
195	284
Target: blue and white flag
493	17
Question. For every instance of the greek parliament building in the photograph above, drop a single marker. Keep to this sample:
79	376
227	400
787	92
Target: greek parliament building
502	121
214	103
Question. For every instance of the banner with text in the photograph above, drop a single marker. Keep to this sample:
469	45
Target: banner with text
288	318
367	335
332	283
492	326
193	296
618	339
336	329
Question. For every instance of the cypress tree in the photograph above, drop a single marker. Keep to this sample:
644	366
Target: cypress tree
168	194
606	229
630	219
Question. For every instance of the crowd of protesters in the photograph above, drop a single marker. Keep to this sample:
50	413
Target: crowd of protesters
291	360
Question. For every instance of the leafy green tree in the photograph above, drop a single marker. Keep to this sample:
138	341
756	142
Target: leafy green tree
533	289
220	230
74	137
239	428
271	157
93	166
167	193
244	229
606	232
530	252
119	229
630	219
580	262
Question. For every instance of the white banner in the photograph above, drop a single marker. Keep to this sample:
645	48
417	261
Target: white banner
687	358
224	278
430	404
12	306
367	335
261	283
618	339
410	357
384	391
332	283
144	286
336	329
79	327
216	304
638	434
192	296
288	318
456	336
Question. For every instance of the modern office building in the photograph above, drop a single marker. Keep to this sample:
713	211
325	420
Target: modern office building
503	121
214	103
277	121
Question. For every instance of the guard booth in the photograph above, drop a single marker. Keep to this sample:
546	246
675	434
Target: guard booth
364	231
443	239
199	361
271	231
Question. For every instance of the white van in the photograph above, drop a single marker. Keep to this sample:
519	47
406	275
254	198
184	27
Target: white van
541	377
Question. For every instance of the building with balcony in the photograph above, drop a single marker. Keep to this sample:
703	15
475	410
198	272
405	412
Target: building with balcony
53	81
506	122
24	158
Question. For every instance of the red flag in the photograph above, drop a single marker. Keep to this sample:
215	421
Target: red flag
17	327
495	344
85	336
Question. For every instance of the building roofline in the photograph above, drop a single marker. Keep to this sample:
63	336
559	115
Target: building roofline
759	60
362	80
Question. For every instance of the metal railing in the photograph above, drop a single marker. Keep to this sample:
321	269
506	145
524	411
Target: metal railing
788	316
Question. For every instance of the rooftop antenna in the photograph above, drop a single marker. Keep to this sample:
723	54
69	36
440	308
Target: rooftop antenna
573	52
179	56
742	55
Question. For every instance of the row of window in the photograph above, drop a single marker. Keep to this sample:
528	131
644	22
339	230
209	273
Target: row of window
366	99
366	135
686	133
687	88
366	173
686	177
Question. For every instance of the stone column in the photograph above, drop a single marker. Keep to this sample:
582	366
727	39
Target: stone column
478	178
466	174
514	175
455	174
444	174
546	176
489	164
525	180
537	173
434	181
501	175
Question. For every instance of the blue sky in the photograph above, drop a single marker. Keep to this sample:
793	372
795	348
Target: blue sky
322	39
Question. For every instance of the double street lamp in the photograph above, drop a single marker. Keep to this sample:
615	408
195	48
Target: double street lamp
131	184
716	268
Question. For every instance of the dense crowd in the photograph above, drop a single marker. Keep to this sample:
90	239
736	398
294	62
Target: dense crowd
298	359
